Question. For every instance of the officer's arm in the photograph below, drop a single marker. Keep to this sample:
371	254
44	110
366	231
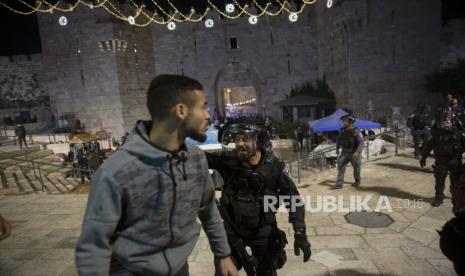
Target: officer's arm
428	146
214	161
360	142
287	187
338	142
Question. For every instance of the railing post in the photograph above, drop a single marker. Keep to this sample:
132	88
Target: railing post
54	139
397	140
368	149
298	166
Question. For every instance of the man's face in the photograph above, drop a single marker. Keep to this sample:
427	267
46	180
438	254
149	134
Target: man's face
455	102
196	123
245	146
346	122
449	97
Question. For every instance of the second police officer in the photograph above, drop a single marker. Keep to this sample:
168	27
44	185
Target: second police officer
350	140
448	144
250	172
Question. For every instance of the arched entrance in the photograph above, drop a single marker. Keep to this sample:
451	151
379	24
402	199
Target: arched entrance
236	91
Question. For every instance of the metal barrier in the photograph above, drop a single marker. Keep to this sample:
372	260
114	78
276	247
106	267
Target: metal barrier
317	161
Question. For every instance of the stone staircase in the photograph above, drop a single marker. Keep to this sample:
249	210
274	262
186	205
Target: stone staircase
33	171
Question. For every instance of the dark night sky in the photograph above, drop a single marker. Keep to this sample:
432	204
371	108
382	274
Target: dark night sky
19	34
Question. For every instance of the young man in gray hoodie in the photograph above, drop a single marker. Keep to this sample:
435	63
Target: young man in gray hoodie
144	201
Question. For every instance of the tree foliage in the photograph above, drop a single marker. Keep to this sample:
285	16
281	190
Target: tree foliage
319	89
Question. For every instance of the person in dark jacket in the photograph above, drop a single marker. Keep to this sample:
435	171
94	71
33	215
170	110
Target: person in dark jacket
141	216
448	144
20	132
251	173
452	235
350	140
419	123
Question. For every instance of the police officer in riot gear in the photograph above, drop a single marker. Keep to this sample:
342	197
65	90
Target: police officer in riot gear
419	123
251	172
351	142
448	144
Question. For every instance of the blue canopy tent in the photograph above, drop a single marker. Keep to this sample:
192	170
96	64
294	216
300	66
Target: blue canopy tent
333	123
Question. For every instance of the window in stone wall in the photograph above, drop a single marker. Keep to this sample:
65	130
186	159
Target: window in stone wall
233	43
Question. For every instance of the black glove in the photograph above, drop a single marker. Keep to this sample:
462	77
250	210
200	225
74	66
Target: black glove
301	243
422	163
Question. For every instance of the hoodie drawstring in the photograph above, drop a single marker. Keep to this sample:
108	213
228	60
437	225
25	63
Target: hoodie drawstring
183	159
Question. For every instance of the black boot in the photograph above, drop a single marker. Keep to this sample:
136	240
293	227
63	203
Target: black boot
437	201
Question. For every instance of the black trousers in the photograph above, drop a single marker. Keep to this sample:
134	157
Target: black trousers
21	141
419	138
263	248
441	168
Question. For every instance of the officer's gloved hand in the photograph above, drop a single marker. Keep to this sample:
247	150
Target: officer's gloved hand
422	163
301	243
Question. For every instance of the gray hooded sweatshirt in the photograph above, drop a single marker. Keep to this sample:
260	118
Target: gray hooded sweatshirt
142	210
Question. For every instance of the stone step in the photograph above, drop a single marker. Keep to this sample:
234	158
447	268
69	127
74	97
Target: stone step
23	181
3	180
65	182
49	186
73	181
18	153
11	180
60	187
35	182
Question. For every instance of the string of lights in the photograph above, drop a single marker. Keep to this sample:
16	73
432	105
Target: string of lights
233	10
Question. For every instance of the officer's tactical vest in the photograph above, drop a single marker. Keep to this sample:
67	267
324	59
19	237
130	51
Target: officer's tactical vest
348	138
244	190
447	143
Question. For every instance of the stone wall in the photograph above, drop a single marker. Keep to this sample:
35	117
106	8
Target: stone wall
275	53
81	78
381	49
364	48
452	41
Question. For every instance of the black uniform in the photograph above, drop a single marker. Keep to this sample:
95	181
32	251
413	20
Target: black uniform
351	141
419	124
448	146
242	198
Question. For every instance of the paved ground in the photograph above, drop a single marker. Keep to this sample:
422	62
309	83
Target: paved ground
45	229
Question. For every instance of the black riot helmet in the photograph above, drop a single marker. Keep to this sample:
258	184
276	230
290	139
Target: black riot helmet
444	117
251	128
349	117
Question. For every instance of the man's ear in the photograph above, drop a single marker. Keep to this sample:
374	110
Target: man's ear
181	110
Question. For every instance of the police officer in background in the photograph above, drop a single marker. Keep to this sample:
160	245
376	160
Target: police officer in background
250	172
351	141
419	123
448	144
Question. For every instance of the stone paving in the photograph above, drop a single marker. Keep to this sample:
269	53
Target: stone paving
46	227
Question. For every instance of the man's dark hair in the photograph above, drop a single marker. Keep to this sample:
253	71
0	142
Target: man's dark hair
165	91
